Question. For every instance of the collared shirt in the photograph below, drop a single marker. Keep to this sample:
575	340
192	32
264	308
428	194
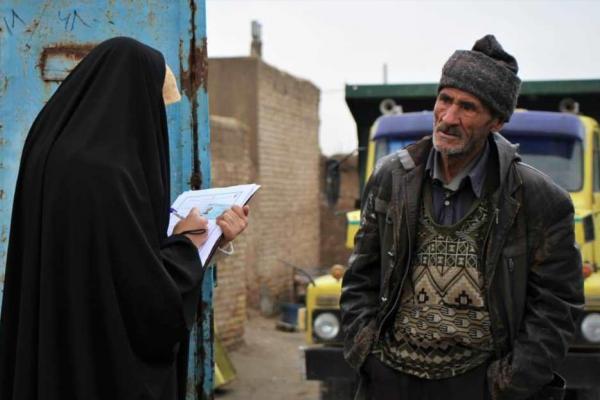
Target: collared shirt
452	201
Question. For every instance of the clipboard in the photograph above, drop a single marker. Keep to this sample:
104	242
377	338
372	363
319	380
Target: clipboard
211	203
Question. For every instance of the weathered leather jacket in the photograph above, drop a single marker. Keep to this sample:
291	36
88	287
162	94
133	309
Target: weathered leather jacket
532	268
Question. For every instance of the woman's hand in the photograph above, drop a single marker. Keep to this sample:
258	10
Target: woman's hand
191	227
233	222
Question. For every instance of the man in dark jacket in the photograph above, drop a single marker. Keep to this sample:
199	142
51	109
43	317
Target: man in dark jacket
465	281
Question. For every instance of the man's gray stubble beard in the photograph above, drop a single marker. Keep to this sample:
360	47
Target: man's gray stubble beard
448	152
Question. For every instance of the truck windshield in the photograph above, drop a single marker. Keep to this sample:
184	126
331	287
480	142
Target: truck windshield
558	157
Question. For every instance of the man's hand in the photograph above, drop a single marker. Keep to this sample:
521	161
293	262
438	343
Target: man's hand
193	222
232	222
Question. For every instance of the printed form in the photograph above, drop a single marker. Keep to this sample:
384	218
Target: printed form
211	203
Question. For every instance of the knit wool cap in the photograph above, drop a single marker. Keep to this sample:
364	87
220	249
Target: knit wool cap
486	71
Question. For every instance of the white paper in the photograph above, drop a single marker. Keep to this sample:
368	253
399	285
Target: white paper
211	203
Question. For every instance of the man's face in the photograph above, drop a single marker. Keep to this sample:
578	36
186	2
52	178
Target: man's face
461	123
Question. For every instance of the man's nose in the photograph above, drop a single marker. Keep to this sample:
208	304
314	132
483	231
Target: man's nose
451	115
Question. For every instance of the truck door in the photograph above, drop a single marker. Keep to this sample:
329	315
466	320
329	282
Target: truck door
40	42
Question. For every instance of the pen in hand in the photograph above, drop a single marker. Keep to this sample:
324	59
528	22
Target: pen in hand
190	232
175	213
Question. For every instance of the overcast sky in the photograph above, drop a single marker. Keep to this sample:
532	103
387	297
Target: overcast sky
334	42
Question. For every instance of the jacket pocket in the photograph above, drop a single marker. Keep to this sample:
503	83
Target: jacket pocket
357	348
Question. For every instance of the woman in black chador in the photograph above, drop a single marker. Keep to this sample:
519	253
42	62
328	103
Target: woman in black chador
98	301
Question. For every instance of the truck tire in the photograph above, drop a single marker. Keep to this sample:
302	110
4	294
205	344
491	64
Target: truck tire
337	389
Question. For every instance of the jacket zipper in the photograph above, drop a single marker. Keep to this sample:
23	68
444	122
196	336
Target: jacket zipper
399	292
487	294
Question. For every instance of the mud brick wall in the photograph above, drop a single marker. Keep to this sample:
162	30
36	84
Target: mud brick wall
231	165
288	167
280	112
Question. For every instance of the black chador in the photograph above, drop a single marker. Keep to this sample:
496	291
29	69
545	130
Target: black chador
98	301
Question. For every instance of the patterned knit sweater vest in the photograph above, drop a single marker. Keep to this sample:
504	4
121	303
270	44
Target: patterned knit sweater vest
442	327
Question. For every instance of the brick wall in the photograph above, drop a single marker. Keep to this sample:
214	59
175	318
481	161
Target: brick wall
278	114
231	165
288	169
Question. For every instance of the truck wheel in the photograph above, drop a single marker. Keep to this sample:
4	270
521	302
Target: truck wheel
337	389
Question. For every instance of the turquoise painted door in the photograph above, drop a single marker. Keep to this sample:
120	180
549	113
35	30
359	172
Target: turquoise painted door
41	41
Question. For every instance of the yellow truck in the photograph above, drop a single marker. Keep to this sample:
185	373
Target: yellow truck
554	136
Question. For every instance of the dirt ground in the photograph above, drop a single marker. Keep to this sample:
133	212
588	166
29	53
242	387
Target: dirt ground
268	365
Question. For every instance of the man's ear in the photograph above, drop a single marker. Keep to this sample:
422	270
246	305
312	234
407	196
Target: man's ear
170	92
497	124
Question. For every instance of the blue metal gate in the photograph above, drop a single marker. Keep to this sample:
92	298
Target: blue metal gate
41	41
